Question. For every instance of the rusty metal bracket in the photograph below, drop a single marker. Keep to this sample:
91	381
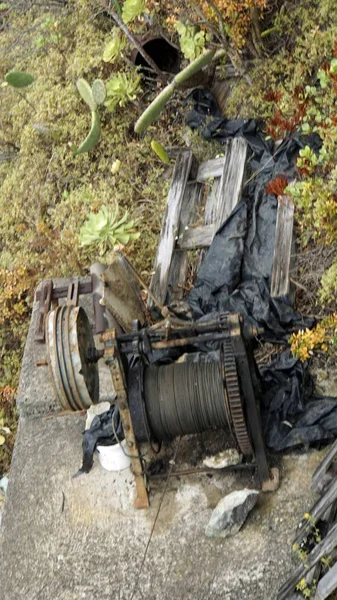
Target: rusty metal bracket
73	292
44	296
48	294
113	359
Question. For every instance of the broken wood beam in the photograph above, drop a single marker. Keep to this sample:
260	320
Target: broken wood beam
186	166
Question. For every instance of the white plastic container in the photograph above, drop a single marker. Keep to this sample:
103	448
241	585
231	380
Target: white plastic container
112	458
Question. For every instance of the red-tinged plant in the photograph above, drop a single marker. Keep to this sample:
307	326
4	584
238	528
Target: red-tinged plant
277	186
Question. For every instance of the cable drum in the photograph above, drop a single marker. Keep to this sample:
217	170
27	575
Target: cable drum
184	398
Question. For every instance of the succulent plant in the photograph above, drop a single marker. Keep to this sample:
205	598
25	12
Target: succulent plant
121	88
155	108
19	79
92	96
160	151
85	91
98	91
115	46
132	9
104	230
93	136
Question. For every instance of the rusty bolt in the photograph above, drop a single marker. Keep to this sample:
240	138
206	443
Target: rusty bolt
42	363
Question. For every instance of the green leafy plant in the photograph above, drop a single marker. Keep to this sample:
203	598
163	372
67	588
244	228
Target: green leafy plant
104	230
132	9
48	33
114	48
192	41
328	289
19	80
122	88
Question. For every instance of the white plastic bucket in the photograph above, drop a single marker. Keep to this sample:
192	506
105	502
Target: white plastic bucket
112	458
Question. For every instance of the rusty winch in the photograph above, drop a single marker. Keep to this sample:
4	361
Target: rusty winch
171	379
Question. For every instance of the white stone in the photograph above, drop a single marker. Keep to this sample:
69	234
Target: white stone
227	458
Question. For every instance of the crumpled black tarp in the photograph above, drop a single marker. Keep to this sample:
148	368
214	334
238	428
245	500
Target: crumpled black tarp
236	272
235	276
291	414
101	432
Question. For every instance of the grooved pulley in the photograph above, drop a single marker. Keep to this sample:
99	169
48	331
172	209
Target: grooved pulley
69	339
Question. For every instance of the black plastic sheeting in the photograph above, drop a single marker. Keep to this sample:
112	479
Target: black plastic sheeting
236	273
101	432
291	414
235	276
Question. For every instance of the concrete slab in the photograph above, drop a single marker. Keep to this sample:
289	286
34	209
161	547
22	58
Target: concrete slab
68	539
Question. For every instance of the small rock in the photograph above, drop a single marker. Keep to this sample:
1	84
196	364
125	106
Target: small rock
227	458
231	513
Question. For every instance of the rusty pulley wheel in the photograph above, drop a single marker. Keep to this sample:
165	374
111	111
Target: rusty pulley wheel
69	338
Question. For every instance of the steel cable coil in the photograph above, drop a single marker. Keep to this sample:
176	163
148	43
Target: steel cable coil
184	398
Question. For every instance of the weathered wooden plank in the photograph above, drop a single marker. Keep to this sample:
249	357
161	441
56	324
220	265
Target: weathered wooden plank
319	478
210	168
185	165
231	183
196	237
317	511
211	206
323	548
280	280
179	263
327	584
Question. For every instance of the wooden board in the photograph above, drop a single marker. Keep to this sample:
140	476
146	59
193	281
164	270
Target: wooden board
197	237
185	166
231	183
280	281
179	235
179	264
211	206
210	168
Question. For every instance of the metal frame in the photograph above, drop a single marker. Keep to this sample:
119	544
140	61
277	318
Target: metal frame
113	359
249	385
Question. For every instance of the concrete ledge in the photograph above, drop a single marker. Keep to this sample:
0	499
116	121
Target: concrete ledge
68	539
74	539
